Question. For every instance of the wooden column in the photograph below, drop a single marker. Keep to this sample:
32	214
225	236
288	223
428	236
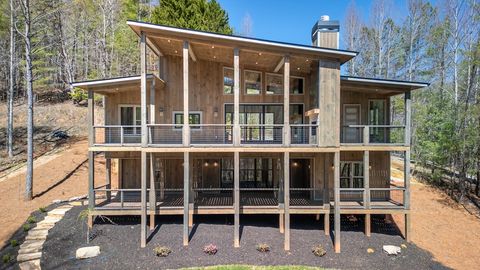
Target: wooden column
286	180
186	125
326	186
91	180
367	224
236	197
366	178
152	102
143	88
191	197
236	97
336	186
406	179
91	118
408	117
326	224
286	101
186	195
408	227
152	194
108	177
143	227
280	196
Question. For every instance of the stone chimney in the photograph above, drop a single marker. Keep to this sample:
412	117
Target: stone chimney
325	33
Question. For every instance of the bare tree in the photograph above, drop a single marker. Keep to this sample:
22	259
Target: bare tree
352	34
11	91
247	26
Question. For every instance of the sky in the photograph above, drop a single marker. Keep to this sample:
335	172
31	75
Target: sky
292	20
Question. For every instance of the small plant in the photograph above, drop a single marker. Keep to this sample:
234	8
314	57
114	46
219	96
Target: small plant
318	251
162	251
6	258
210	249
26	227
13	243
42	209
31	219
263	247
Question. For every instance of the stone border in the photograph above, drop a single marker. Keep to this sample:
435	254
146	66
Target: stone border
31	250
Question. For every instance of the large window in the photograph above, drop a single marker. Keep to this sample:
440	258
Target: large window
130	115
254	173
227	80
377	116
253	82
195	118
274	84
351	174
296	85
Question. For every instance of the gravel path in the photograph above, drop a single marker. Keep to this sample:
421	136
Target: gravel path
120	244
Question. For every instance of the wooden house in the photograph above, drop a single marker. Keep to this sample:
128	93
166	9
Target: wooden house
222	124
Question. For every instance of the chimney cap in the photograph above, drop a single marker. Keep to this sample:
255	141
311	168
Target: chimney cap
324	18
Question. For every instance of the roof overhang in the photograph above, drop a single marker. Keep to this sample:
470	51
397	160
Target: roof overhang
112	85
381	86
153	31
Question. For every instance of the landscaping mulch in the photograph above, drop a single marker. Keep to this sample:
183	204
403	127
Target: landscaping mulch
120	244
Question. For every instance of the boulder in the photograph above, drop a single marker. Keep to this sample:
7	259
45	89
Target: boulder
30	265
392	250
87	252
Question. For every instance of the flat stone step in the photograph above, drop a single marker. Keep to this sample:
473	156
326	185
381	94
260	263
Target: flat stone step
28	250
30	265
32	244
36	237
44	226
29	256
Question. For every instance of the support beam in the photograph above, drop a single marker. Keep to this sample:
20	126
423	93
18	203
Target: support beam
236	97
91	180
91	119
191	198
143	88
152	193
279	65
408	227
186	196
192	54
108	178
326	224
286	180
406	180
186	124
152	103
326	187
143	194
236	197
281	222
336	186
368	221
286	101
408	117
366	178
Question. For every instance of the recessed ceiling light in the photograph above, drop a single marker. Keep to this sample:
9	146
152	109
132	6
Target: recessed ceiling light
168	40
213	47
256	63
176	51
306	60
259	53
298	68
214	57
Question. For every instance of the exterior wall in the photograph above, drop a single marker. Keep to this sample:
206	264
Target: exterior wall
380	166
350	97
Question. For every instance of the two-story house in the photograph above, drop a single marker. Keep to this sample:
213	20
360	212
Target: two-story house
237	126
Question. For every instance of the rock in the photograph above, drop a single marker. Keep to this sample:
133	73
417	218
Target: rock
30	265
392	250
58	212
403	246
77	198
29	256
31	247
57	201
87	252
77	203
370	250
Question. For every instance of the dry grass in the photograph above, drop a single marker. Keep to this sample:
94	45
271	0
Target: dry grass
47	119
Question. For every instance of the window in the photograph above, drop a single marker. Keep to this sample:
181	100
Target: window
254	173
227	81
194	119
377	116
253	82
274	84
351	174
130	115
296	85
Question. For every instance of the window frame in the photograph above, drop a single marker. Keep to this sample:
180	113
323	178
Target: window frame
179	126
223	79
136	128
245	84
352	177
266	83
303	86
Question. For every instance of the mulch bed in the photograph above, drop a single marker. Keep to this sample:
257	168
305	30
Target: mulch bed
120	244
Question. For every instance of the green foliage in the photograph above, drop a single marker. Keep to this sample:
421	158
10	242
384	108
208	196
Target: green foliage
31	219
26	227
13	243
78	95
193	14
42	209
319	251
7	258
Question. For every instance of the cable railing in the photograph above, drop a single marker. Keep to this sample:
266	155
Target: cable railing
303	134
165	134
117	135
208	134
306	197
353	198
393	197
118	198
373	134
261	134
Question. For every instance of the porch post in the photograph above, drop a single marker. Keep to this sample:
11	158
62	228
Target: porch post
152	102
186	122
143	88
236	97
286	180
91	180
281	206
406	195
326	194
236	196
366	178
91	118
191	198
143	238
286	101
186	195
336	186
152	193
108	174
408	117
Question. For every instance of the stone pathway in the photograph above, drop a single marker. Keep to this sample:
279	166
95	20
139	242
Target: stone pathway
31	250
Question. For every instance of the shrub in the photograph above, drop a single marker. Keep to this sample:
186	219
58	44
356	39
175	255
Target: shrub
42	209
13	243
26	227
6	258
31	219
210	249
318	251
162	251
263	247
78	95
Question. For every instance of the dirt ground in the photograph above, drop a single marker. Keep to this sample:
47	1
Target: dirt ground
439	225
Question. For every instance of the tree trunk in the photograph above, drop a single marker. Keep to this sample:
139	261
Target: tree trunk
11	91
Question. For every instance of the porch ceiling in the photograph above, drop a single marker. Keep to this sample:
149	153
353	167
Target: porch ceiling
378	86
120	84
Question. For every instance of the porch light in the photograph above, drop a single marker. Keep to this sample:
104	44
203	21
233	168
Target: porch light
161	110
215	112
206	164
168	40
298	68
213	47
215	164
295	164
260	54
176	51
